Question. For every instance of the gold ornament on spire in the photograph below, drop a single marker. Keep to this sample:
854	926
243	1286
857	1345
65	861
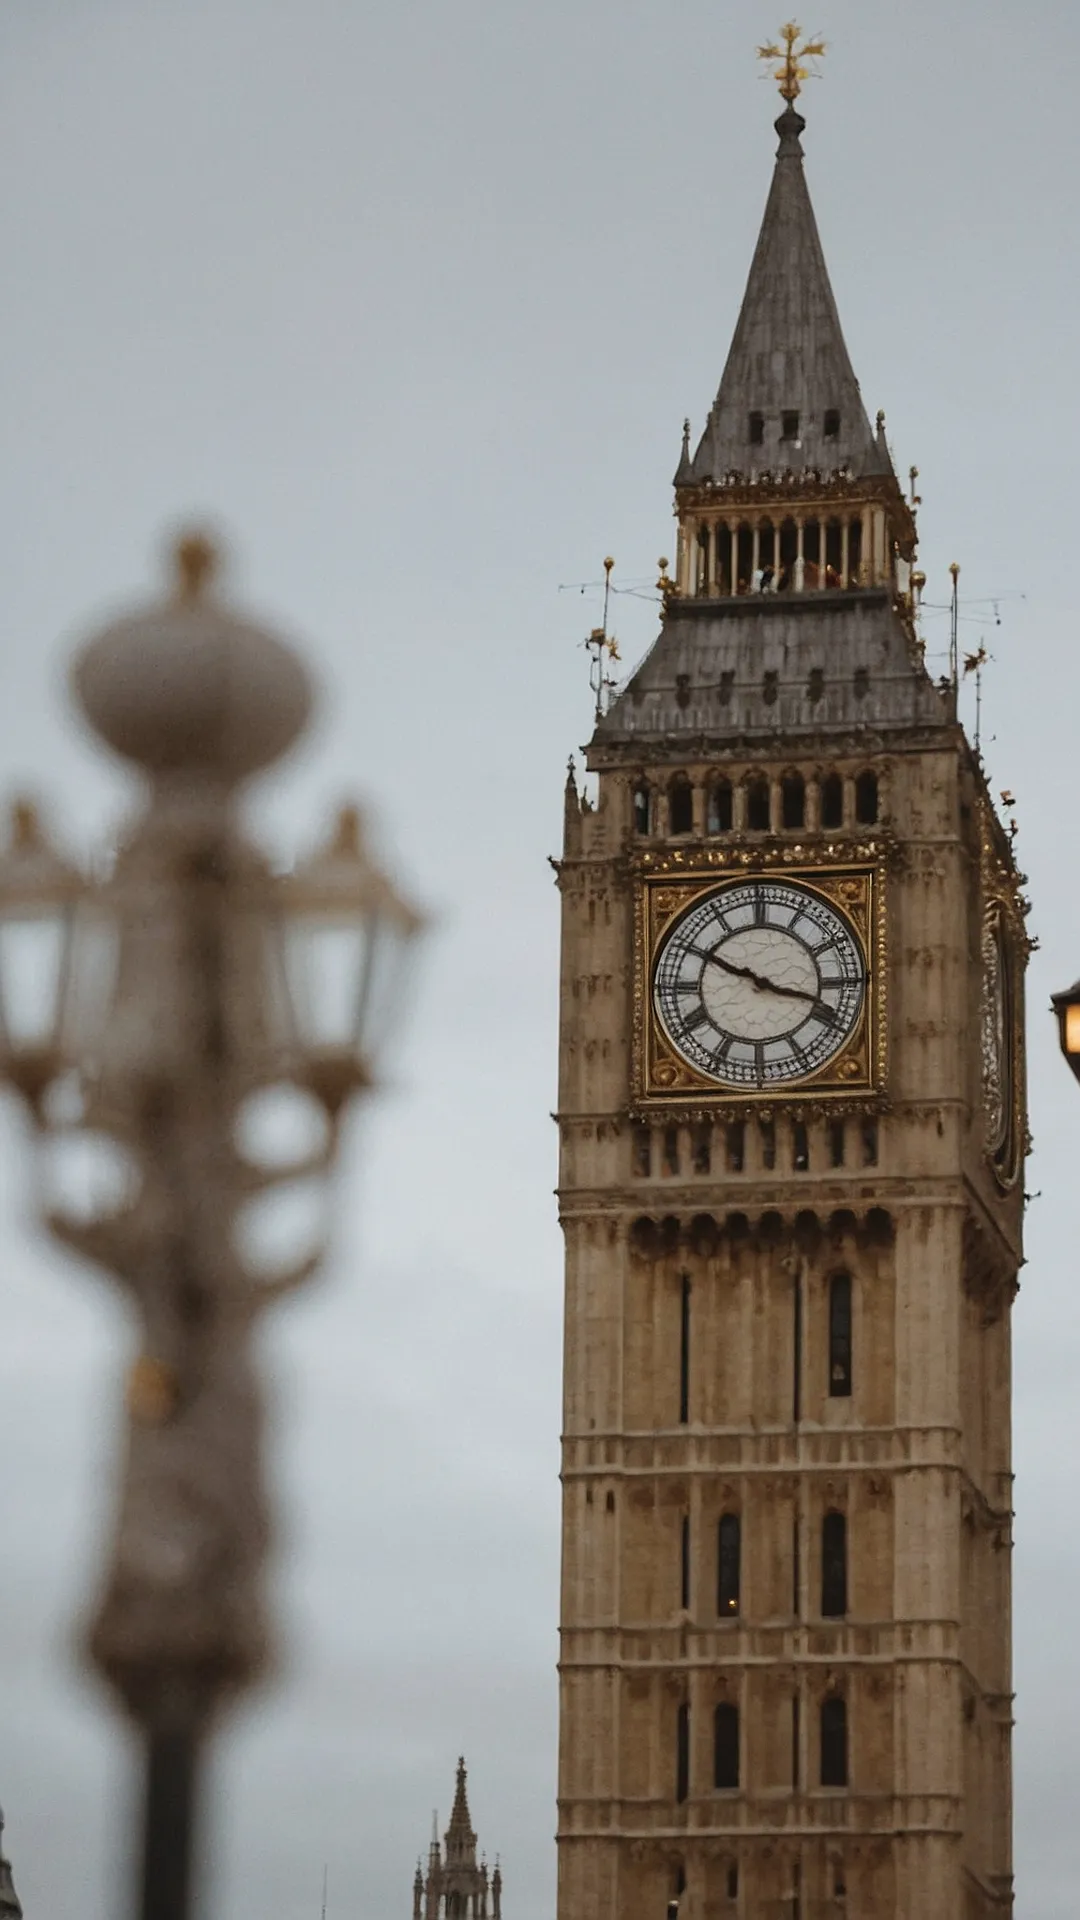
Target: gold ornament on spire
791	72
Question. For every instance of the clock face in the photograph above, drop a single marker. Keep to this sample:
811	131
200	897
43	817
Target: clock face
760	983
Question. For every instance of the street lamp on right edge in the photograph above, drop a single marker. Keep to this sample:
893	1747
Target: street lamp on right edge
1067	1007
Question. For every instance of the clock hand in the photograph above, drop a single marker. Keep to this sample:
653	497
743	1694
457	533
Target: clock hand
759	980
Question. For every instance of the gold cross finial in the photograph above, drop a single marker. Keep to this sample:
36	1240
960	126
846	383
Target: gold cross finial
791	72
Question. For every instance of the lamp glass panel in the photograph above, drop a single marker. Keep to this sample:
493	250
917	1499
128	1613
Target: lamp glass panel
1072	1029
328	961
33	956
386	985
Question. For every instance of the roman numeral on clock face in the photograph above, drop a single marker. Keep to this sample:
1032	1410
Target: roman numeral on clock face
697	1017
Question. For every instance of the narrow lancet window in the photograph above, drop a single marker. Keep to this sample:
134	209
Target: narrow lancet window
684	1564
834	1741
684	1351
832	801
726	1747
834	1566
757	429
721	812
681	805
730	1566
757	806
682	1752
840	1336
793	800
642	808
866	799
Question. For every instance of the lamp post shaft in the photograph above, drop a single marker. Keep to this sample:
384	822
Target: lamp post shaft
169	1823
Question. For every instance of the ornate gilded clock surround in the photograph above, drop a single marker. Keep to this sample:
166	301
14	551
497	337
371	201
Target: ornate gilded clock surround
851	878
1005	946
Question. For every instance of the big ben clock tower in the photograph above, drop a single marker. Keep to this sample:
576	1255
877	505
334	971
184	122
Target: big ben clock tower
792	1126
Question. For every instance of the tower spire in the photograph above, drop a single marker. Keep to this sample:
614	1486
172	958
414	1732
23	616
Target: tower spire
788	399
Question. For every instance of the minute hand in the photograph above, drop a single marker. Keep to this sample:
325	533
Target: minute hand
759	980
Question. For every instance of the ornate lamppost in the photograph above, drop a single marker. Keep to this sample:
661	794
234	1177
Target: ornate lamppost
158	1018
1067	1008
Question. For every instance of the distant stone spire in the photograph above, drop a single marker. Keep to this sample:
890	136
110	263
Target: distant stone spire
788	400
455	1887
460	1838
9	1899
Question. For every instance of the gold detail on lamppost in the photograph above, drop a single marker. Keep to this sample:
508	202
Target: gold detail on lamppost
792	55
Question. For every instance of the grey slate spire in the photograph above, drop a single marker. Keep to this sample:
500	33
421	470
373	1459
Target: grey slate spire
792	610
788	355
9	1899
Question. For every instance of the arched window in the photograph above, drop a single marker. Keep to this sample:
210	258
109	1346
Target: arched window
681	805
733	1882
866	799
721	813
682	1752
702	560
834	1566
729	1566
834	549
793	800
757	806
744	559
726	1746
789	553
813	571
834	1741
642	807
725	576
767	557
840	1336
832	801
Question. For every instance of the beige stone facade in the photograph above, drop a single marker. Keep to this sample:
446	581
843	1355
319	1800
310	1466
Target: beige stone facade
785	1662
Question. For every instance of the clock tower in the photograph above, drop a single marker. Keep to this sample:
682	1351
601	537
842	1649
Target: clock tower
792	1125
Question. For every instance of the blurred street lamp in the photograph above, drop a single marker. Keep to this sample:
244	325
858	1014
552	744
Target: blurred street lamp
186	1027
1067	1007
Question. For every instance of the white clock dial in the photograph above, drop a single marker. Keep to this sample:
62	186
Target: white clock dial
760	983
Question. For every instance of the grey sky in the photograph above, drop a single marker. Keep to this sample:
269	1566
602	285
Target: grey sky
413	298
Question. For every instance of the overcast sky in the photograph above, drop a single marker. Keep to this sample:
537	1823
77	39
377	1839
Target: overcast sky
412	298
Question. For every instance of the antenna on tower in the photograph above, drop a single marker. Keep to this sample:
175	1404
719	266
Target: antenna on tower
602	648
954	631
324	1894
974	663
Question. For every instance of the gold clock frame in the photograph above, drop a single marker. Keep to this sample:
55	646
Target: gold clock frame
665	886
1003	906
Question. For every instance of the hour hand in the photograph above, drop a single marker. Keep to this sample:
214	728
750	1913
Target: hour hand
759	980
